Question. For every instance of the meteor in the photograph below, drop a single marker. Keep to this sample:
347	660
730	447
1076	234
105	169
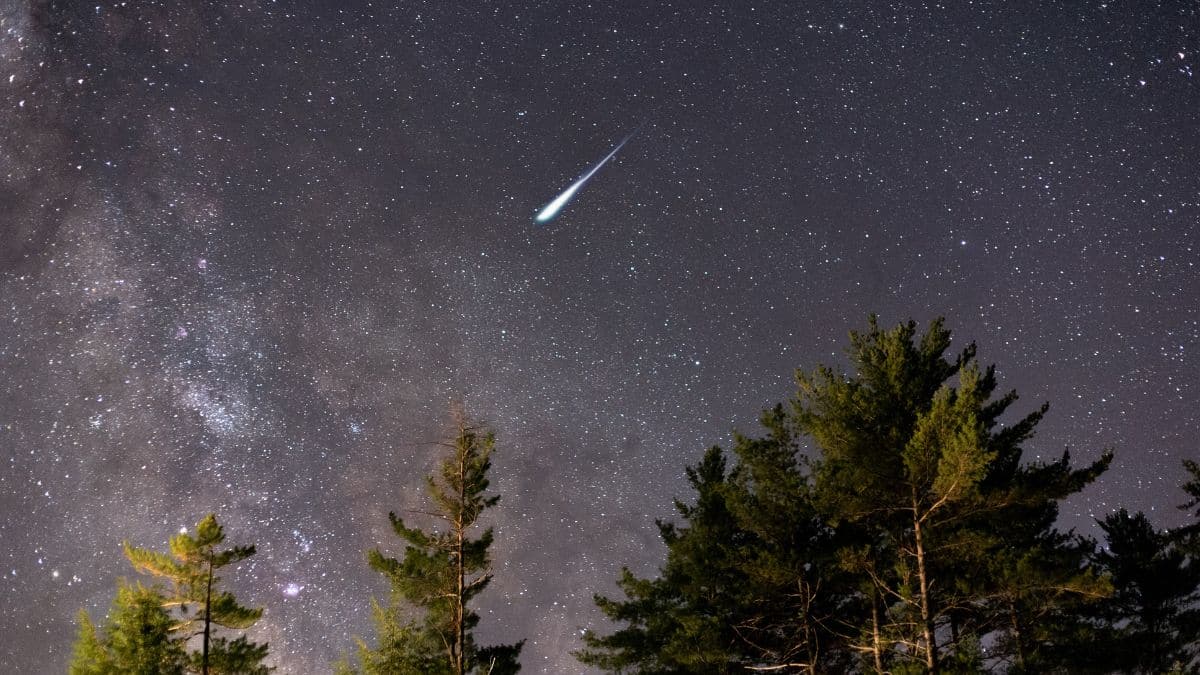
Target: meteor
551	210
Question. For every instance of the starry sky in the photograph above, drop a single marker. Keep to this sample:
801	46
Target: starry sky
251	252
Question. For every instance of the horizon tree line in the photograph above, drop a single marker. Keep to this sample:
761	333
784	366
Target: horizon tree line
884	521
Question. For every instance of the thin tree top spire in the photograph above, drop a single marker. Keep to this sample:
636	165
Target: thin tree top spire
442	571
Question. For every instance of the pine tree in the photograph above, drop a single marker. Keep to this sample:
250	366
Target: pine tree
403	647
794	594
1150	622
922	476
681	622
1189	535
902	455
747	583
1192	486
1031	587
200	605
89	656
1187	539
428	627
137	638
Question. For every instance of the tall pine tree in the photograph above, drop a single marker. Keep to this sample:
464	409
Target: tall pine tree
429	625
749	582
920	468
1150	624
793	594
681	622
198	602
903	454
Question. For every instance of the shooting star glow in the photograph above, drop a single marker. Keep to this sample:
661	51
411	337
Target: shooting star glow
551	210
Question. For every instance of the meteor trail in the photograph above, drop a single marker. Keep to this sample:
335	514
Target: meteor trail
551	210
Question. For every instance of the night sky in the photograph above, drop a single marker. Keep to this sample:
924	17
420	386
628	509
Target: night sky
251	252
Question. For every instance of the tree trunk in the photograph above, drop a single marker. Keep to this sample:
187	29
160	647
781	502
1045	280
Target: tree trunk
1015	620
207	616
811	639
876	646
926	612
459	526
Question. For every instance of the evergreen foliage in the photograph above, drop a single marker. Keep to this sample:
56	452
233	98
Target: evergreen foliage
428	625
935	484
89	656
197	602
1188	536
1192	486
684	621
138	638
884	522
749	580
1151	622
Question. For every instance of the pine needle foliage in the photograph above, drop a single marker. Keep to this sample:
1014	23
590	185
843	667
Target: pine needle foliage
429	624
198	603
137	638
884	522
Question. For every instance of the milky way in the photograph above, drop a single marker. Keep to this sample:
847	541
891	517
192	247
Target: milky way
249	257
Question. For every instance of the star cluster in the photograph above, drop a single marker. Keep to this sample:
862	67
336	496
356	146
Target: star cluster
251	252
